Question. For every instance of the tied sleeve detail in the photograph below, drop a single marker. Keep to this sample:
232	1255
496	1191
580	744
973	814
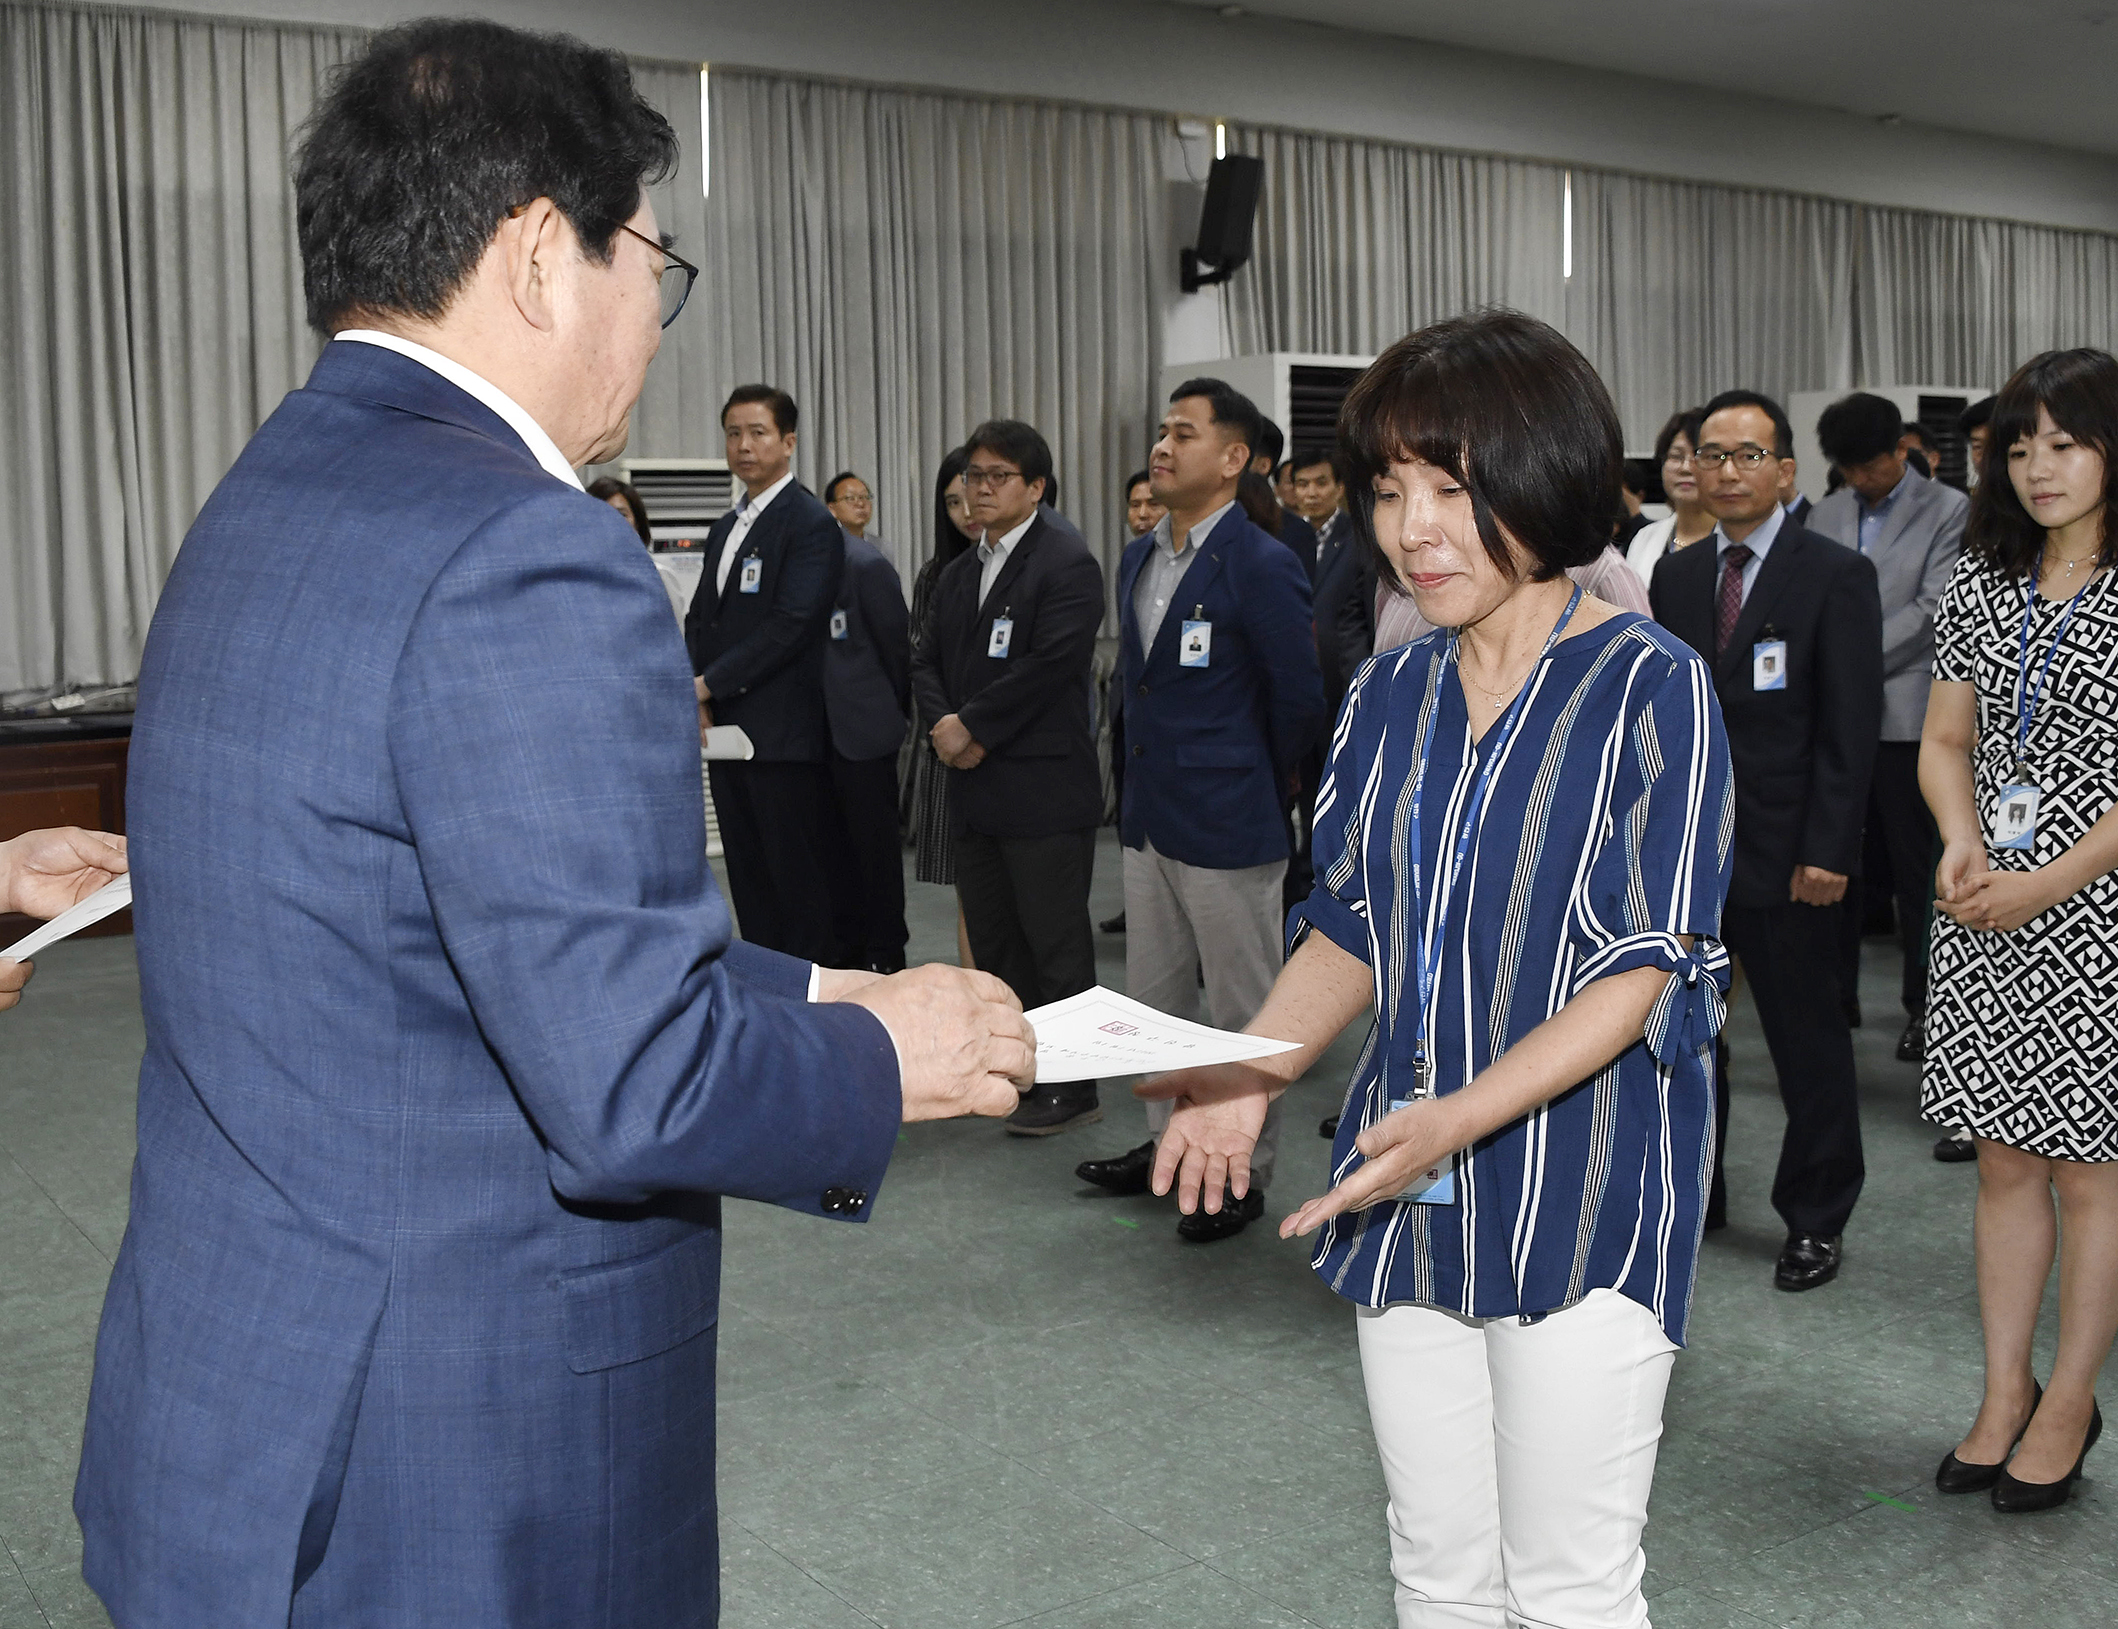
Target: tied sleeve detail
1693	1005
1343	921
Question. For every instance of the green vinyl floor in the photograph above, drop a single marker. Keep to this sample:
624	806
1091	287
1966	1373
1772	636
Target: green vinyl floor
1009	1400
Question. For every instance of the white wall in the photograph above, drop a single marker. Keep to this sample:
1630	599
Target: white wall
1151	54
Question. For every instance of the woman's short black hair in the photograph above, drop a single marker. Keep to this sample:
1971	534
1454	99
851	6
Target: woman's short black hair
609	487
1506	405
1020	445
1857	428
1684	422
948	541
432	135
2080	390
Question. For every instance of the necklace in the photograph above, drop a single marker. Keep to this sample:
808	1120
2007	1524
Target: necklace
2051	560
1499	698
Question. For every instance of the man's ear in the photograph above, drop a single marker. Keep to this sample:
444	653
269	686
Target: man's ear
537	240
1043	486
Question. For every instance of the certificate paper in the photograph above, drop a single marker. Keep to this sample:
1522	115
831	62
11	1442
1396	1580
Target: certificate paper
1099	1033
107	900
729	741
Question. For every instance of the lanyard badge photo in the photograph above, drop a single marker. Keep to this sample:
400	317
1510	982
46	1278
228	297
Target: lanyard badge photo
2015	809
1430	929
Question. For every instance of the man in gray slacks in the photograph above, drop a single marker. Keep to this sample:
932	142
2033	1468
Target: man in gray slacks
1222	699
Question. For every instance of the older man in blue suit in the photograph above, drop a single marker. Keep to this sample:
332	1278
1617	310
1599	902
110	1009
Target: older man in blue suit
450	1053
1222	698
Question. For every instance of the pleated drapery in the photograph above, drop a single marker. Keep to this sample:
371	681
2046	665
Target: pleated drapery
150	305
906	264
1678	289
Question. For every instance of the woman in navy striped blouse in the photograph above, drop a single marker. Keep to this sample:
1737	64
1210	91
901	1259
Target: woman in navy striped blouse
1522	850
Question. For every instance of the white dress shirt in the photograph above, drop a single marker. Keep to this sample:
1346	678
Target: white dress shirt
745	517
992	556
541	446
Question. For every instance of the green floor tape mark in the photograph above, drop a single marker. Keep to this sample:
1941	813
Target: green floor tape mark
1885	1499
1125	1221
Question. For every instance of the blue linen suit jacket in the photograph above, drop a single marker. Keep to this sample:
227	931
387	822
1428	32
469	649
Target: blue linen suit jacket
450	1053
1209	749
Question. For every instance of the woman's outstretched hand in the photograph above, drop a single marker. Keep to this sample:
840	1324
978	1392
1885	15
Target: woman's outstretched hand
1394	1151
1218	1113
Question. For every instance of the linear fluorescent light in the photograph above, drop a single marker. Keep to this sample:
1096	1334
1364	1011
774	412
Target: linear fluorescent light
1220	140
1566	229
705	138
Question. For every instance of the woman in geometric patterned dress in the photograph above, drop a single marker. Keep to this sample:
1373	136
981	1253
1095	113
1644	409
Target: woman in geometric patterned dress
2019	762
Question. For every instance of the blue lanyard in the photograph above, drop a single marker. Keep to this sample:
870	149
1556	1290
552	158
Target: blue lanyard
2026	699
1428	942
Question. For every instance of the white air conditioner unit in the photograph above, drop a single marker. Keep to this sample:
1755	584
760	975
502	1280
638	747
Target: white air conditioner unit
1300	391
684	497
1935	408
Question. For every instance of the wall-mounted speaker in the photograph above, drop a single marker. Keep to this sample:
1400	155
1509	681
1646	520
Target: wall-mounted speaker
1226	222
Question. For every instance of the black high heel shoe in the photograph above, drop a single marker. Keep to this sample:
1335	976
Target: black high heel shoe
1960	1476
2012	1497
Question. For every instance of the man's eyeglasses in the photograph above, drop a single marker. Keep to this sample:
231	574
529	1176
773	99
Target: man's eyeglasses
674	279
1744	458
975	477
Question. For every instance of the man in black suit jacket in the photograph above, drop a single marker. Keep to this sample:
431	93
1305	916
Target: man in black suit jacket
1792	626
756	633
868	696
1295	530
1002	680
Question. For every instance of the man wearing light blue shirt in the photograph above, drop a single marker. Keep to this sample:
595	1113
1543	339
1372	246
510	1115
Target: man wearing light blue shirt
1912	529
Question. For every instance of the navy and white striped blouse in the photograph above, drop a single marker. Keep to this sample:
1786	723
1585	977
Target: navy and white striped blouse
1606	835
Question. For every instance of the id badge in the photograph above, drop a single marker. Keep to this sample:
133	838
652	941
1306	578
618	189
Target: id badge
996	644
1195	648
2015	818
1436	1185
753	577
838	624
1768	665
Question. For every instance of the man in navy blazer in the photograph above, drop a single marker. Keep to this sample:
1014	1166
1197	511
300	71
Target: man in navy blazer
1222	699
756	633
449	1051
868	698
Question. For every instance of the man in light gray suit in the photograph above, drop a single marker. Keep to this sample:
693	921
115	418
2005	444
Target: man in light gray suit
1912	528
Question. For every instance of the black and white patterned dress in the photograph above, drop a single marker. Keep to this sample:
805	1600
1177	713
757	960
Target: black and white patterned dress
2022	1027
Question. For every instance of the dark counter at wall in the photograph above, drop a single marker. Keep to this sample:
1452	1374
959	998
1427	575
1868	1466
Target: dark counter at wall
63	771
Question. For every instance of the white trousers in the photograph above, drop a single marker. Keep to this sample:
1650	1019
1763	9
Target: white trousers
1188	922
1519	1458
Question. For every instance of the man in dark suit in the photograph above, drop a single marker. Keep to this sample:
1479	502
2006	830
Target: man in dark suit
1344	580
1792	626
756	632
868	697
1002	680
1142	510
1295	530
450	1051
1222	699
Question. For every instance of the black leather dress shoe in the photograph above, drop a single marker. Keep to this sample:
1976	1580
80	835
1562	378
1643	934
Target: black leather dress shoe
1964	1476
1113	924
1042	1113
2014	1498
1127	1174
1327	1128
1912	1045
1807	1260
1956	1149
1225	1223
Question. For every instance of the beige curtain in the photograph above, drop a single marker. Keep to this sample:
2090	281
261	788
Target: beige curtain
1678	289
150	305
906	264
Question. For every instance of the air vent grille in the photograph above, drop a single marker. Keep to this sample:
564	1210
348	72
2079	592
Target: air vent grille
684	497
